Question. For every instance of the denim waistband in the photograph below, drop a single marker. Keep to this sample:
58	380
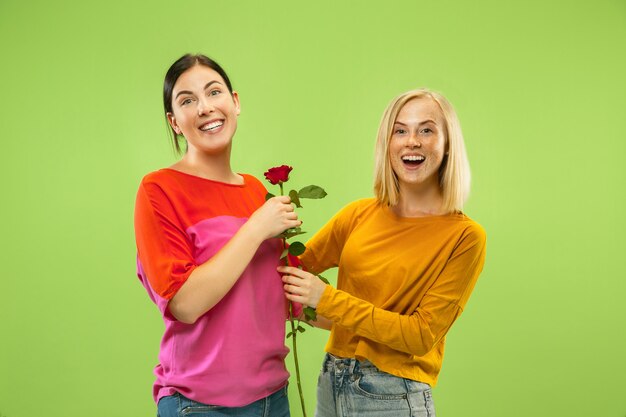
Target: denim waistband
348	365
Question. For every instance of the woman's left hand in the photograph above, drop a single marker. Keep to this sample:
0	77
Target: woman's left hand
301	286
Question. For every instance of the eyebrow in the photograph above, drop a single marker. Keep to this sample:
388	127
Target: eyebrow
205	87
421	123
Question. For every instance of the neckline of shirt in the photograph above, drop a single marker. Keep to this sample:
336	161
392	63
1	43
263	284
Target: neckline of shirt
448	216
244	176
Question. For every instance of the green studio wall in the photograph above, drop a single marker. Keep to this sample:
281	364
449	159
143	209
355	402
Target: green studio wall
541	93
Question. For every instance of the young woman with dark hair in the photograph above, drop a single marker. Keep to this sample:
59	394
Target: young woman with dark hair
207	256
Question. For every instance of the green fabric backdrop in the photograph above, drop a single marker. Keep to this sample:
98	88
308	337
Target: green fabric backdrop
541	93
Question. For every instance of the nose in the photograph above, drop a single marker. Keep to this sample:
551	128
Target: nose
413	141
204	106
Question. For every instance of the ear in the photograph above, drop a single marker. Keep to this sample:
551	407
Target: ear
171	119
236	101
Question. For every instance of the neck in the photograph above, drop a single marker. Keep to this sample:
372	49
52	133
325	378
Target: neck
210	166
419	201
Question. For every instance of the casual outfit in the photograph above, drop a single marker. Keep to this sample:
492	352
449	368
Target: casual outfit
401	284
352	388
177	405
233	355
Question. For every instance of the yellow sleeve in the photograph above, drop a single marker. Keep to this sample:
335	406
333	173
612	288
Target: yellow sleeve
323	250
421	331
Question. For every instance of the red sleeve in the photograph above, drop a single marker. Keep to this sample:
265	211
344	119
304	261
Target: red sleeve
163	246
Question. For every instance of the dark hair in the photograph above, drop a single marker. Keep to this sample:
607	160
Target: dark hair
181	65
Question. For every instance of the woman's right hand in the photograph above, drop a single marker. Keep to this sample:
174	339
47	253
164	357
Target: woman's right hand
274	217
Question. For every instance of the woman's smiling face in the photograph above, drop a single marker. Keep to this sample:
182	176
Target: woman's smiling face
418	144
204	110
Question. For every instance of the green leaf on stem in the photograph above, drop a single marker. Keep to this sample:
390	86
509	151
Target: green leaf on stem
289	233
284	254
289	335
312	191
310	313
268	196
324	280
297	248
301	329
293	194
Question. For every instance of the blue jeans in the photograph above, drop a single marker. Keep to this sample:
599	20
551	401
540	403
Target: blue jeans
177	405
350	388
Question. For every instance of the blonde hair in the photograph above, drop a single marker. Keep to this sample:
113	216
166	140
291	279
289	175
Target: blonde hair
454	173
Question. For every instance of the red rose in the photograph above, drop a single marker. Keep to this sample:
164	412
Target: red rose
278	175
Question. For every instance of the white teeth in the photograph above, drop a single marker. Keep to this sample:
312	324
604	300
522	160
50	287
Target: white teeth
413	158
212	125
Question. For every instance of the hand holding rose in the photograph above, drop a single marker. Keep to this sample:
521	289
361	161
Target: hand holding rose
274	217
301	286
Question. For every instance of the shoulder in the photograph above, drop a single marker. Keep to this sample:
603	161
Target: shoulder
253	185
348	217
472	230
161	178
174	186
162	184
252	181
361	206
157	187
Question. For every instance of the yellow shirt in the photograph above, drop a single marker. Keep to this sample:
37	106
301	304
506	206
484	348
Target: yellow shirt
401	284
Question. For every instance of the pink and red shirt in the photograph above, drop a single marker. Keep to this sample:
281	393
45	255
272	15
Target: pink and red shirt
234	354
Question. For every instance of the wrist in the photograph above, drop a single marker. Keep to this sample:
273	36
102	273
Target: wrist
252	232
321	300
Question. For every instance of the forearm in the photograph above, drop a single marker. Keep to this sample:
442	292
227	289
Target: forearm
415	333
322	322
212	280
418	325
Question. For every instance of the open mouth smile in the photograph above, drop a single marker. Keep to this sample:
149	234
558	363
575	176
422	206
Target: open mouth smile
413	160
211	126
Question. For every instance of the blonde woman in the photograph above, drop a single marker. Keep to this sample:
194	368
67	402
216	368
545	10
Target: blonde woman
408	260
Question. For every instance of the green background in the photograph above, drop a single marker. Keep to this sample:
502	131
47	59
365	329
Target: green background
541	93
